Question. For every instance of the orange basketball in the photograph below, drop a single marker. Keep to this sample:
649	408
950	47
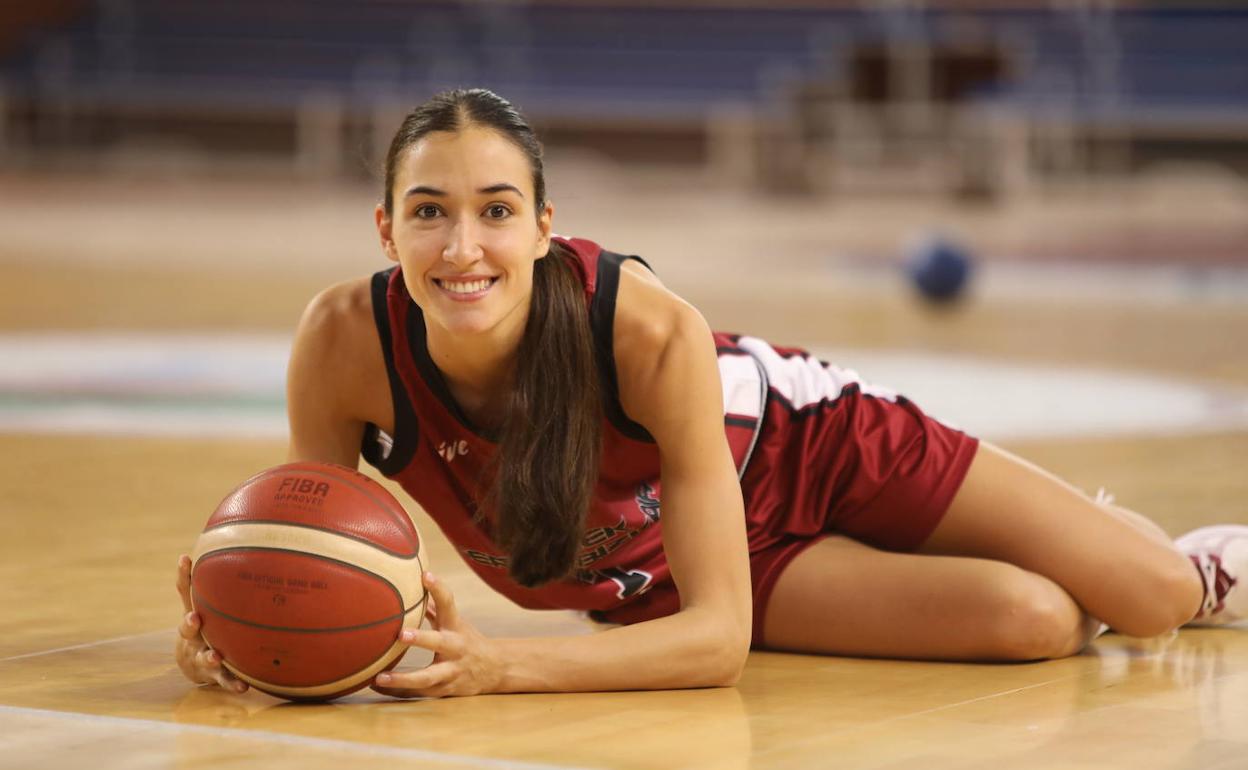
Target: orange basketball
304	577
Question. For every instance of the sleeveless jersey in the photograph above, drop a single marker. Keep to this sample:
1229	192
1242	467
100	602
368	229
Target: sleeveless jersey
438	457
817	450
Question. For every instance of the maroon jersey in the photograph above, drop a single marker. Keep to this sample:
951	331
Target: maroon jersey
438	456
816	449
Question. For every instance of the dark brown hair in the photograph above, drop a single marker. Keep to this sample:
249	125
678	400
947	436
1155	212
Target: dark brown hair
543	476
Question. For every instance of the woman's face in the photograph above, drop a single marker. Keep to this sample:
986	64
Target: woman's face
465	231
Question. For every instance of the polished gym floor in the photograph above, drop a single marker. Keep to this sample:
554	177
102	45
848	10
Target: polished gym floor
113	461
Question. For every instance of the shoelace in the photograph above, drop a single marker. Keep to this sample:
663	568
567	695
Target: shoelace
1217	583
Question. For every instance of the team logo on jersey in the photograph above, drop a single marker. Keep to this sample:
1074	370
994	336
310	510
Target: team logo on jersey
452	449
647	502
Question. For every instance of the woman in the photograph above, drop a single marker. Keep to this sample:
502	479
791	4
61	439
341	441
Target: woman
531	391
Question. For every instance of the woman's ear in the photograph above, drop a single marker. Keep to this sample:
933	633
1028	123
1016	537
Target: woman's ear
544	230
385	231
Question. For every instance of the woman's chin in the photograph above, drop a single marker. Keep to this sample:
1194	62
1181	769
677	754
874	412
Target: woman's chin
467	324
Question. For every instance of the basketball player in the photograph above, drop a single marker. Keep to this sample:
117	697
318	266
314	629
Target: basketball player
586	442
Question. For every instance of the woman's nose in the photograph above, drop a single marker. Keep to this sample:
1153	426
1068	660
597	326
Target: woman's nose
462	245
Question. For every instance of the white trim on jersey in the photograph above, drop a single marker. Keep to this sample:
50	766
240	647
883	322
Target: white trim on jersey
803	380
742	383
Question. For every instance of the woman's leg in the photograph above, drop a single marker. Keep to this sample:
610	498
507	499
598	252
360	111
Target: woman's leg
1019	568
845	598
1117	566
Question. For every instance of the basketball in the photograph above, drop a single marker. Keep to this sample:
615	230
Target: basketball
939	269
304	577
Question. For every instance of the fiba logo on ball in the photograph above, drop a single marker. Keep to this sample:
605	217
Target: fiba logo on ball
301	491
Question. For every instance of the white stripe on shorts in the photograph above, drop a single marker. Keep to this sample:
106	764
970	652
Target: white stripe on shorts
803	380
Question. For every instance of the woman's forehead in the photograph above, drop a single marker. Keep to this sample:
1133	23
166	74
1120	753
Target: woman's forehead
469	153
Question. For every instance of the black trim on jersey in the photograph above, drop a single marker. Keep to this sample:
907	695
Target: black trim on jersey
742	422
419	344
602	326
602	322
406	427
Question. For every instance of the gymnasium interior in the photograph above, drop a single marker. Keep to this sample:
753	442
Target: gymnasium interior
1029	217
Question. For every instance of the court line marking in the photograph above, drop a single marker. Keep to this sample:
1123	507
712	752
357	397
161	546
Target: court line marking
84	645
300	741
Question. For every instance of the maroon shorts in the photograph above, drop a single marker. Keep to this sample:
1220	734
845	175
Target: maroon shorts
875	469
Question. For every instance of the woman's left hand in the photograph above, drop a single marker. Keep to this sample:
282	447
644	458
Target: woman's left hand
464	661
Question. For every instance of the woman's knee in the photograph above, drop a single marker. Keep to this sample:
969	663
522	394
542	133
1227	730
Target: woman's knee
1166	594
1035	620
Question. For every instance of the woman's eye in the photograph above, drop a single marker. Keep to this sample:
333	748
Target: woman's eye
427	211
498	211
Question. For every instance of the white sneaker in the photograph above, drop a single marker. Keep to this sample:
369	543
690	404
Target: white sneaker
1220	554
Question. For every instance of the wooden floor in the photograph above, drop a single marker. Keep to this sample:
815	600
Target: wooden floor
92	525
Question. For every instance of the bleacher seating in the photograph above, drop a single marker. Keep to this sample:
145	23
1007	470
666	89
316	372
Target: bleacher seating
602	61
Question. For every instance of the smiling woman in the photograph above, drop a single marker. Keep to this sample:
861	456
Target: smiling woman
504	326
586	442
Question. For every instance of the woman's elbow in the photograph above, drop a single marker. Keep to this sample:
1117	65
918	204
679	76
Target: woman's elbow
728	658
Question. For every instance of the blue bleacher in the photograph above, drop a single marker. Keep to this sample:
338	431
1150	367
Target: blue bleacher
647	62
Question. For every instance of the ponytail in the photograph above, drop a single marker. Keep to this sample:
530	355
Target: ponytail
547	463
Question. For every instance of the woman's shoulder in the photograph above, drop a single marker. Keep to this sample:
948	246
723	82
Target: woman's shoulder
341	313
658	337
338	343
648	315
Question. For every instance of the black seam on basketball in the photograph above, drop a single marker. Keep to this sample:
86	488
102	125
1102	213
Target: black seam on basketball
342	629
364	490
240	522
271	688
391	586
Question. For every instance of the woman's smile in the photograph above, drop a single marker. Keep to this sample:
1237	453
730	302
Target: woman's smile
469	288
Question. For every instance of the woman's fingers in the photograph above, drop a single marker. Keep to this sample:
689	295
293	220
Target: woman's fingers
207	667
188	629
431	609
436	642
207	659
199	662
228	681
184	581
432	680
447	616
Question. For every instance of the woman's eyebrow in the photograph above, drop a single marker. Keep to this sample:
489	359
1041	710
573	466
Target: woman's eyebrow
494	188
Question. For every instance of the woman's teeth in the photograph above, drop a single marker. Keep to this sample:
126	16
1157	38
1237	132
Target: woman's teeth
466	287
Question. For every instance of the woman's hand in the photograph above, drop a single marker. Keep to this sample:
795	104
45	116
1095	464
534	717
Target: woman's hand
199	663
464	662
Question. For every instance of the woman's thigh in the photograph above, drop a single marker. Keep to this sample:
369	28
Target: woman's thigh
1010	510
842	597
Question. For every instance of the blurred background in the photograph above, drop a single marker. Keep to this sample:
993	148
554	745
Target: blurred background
1031	217
1055	183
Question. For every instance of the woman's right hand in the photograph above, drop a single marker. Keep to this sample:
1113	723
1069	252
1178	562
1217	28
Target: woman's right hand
199	663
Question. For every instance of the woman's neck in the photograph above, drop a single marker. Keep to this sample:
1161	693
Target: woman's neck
477	369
